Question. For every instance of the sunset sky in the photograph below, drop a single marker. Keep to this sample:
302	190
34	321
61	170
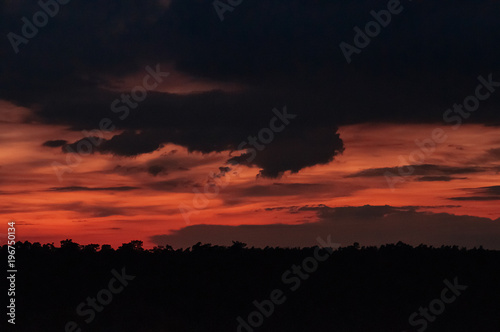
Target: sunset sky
373	151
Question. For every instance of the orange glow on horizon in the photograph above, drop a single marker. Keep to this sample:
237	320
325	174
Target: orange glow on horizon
109	199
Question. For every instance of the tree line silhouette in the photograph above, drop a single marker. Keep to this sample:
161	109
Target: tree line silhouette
206	287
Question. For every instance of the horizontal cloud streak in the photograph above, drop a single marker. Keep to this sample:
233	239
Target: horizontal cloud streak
78	188
426	169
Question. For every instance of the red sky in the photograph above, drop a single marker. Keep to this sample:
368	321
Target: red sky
111	199
202	85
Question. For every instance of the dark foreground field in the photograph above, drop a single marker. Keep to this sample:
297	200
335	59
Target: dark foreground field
213	288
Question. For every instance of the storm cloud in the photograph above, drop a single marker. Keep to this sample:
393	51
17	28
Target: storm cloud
430	54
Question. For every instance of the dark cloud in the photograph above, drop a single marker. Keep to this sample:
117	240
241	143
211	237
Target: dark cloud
491	193
223	171
492	190
296	147
323	207
368	225
55	143
295	150
426	60
156	169
476	198
428	170
443	178
490	155
167	164
126	144
298	40
280	208
174	185
89	210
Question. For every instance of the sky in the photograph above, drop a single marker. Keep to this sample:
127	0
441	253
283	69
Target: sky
185	121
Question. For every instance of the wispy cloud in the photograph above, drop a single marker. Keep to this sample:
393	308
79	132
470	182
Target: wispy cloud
78	188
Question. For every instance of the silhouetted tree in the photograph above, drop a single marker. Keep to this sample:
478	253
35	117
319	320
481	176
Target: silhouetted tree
91	248
134	245
106	248
69	245
206	287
